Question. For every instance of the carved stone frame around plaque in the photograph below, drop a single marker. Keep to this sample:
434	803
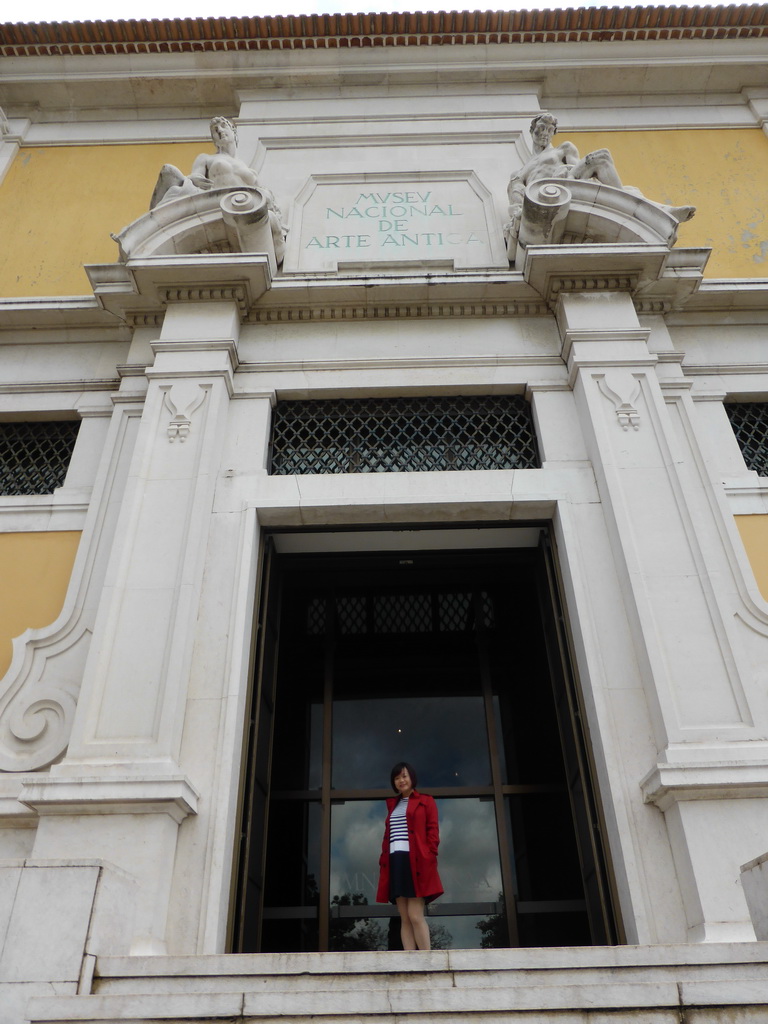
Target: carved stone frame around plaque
376	220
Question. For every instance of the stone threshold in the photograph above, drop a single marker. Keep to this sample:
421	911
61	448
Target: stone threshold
724	983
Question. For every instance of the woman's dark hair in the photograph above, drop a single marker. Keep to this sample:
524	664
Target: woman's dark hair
396	771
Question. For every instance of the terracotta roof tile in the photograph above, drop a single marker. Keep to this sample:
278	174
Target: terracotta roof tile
437	28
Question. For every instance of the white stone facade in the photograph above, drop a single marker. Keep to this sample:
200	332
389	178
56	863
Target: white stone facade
119	819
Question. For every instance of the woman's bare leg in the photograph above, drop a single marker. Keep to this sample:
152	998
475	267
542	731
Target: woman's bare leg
406	929
419	926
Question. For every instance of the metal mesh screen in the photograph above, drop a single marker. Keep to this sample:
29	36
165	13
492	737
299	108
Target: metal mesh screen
750	425
34	456
401	435
427	611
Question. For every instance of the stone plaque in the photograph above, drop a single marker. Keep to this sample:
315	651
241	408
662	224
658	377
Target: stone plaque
430	218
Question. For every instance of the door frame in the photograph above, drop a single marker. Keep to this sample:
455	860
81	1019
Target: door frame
590	830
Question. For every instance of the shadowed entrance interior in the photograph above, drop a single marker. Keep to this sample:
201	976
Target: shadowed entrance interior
451	661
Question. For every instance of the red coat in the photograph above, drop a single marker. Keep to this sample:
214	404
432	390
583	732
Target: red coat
423	839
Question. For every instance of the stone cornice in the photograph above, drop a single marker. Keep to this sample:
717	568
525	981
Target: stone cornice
144	287
321	298
172	795
658	278
667	784
82	86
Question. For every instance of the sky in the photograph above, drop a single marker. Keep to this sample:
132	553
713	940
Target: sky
92	10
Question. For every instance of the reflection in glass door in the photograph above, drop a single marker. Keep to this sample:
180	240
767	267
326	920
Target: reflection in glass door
441	661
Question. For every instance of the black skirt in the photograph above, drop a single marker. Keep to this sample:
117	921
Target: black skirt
400	877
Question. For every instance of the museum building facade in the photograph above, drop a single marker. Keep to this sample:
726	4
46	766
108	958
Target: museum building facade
419	414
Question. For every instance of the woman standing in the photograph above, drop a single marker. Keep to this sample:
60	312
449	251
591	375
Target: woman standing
408	862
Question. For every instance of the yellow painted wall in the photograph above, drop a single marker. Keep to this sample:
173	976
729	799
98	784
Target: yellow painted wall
35	569
72	197
722	172
754	534
59	204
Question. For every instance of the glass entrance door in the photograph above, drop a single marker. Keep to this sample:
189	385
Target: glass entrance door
440	661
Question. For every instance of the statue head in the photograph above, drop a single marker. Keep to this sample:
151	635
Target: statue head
545	117
223	122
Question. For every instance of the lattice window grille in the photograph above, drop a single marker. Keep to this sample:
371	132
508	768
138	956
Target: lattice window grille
455	612
351	614
400	613
391	435
750	425
34	457
316	616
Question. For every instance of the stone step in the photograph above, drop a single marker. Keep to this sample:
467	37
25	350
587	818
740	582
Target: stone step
644	985
456	968
664	1001
342	984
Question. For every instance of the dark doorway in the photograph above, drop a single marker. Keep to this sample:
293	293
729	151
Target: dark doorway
453	661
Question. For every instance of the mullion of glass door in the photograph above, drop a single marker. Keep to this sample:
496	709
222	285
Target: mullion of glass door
324	908
502	835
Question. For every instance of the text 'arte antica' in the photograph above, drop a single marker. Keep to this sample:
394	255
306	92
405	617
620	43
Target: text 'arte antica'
394	220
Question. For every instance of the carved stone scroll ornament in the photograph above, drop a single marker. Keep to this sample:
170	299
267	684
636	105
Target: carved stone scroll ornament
39	692
36	715
253	218
39	731
545	210
621	388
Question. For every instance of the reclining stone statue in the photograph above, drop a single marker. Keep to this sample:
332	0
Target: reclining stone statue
219	170
564	162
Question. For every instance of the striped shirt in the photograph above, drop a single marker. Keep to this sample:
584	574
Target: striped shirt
398	829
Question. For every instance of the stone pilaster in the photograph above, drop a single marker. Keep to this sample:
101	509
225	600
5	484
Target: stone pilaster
663	524
119	793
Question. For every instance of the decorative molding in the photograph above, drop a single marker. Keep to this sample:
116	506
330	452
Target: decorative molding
623	389
324	297
446	362
39	691
202	293
672	389
182	399
668	784
657	277
591	266
51	387
652	305
66	311
131	370
670	356
145	318
728	295
173	795
593	283
637	338
402	311
732	369
144	286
